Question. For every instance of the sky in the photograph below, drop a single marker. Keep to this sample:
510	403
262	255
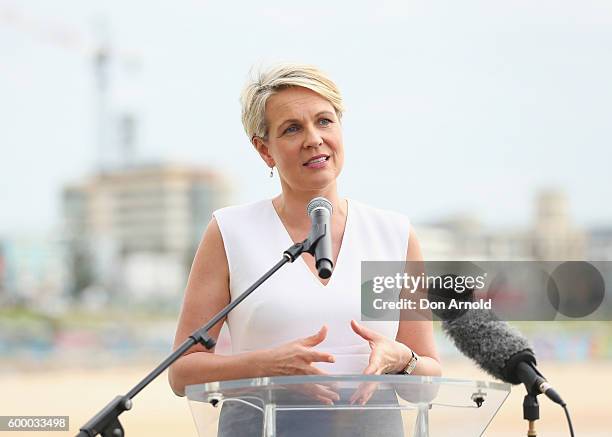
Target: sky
453	107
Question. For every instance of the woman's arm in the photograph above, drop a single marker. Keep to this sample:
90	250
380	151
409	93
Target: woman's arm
417	334
207	292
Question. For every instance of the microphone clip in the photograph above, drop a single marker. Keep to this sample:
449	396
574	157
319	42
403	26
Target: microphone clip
308	245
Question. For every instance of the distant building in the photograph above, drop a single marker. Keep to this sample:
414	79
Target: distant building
139	212
552	236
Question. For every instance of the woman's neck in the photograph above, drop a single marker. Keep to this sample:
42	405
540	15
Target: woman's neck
291	205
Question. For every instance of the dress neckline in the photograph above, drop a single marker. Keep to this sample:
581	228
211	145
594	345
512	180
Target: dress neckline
337	264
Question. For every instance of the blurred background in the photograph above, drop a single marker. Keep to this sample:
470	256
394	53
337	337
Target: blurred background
486	122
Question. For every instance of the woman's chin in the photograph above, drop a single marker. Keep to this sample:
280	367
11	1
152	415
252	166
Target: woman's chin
317	184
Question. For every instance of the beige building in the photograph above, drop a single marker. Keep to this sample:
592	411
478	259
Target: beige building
151	209
552	236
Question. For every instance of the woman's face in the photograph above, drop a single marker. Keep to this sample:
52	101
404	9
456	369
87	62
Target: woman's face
304	139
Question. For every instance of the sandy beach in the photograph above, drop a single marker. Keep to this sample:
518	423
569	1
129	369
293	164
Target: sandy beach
158	412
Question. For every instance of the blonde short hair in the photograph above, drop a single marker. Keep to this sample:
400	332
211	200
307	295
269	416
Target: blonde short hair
258	90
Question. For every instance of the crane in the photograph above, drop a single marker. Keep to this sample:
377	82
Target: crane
102	55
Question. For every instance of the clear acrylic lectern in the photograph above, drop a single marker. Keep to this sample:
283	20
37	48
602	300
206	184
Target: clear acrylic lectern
400	405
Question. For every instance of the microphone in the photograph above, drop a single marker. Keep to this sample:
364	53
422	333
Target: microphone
498	349
320	210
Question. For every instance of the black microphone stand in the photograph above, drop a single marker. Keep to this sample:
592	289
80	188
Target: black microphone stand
532	380
106	422
531	411
531	406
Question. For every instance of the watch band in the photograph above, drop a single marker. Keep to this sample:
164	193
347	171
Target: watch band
411	364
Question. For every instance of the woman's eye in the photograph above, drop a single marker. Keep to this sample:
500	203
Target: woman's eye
325	122
291	129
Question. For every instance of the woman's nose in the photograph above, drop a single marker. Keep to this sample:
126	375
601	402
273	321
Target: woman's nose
312	138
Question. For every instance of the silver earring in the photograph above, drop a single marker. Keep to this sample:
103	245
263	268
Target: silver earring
272	171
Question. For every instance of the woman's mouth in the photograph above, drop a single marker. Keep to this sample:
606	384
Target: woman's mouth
317	161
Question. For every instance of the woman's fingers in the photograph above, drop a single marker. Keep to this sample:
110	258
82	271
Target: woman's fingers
372	369
296	356
327	400
326	392
316	391
363	393
366	389
314	355
364	332
320	357
315	339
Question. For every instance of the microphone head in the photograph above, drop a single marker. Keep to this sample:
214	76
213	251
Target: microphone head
319	202
494	345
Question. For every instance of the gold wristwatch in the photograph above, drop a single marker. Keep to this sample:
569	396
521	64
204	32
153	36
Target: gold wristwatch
411	364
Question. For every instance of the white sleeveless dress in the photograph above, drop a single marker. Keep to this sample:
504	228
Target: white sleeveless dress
293	303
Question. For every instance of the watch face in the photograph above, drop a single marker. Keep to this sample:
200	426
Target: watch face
411	364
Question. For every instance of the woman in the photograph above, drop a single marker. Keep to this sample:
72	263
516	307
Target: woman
296	323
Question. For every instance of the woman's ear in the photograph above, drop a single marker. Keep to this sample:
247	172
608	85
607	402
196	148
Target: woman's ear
263	150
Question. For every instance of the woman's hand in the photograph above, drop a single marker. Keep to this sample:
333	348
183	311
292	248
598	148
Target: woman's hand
296	358
386	356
